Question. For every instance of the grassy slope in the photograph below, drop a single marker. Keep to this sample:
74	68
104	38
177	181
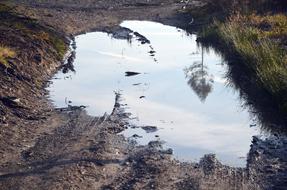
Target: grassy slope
30	53
260	42
30	29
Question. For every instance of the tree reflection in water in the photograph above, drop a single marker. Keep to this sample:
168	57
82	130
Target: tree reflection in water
200	81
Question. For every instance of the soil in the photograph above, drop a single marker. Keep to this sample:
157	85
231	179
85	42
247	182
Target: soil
46	148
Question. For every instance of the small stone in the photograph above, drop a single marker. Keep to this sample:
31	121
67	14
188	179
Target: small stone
150	129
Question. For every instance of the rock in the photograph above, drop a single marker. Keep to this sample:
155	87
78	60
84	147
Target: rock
155	144
122	33
168	151
150	129
38	58
27	154
137	136
255	140
10	101
142	39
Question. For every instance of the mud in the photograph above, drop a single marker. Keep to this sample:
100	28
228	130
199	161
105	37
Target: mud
46	148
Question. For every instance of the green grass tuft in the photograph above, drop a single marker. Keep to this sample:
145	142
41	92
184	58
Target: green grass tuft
60	46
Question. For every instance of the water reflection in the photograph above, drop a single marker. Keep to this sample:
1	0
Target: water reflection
159	96
260	104
68	65
263	108
199	79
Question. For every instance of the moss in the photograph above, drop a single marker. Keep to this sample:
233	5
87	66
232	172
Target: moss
60	46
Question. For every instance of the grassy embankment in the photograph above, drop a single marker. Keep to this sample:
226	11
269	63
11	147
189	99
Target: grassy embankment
260	42
30	29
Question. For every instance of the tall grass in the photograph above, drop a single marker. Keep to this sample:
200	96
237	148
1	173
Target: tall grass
260	53
259	41
6	53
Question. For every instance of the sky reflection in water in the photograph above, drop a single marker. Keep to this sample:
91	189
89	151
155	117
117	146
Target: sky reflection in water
186	95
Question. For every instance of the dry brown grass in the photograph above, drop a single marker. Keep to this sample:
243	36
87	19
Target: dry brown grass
6	53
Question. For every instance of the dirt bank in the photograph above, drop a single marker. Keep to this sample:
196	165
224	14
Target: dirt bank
74	18
46	148
38	53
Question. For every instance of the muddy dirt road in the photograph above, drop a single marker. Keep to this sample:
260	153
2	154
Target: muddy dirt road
46	148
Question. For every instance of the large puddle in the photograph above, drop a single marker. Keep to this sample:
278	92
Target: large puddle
181	89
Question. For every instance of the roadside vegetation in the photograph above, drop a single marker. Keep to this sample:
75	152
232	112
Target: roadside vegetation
256	35
31	29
